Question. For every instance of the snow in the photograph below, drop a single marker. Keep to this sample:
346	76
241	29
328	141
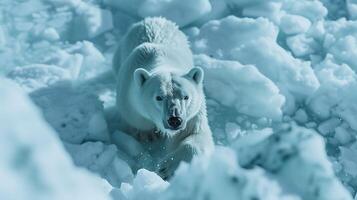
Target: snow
351	7
219	38
302	45
280	82
287	155
241	87
200	180
334	96
33	162
77	115
183	12
270	10
313	10
294	24
145	185
293	75
37	76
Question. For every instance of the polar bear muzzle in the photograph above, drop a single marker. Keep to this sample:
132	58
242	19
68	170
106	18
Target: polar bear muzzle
174	114
175	122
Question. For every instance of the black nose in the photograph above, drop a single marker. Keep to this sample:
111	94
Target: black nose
174	122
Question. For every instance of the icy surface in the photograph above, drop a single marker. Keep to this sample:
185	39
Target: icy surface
280	84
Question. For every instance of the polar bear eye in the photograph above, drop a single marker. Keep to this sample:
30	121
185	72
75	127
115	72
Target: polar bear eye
185	97
158	98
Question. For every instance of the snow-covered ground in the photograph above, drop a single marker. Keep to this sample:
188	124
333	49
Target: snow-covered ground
280	80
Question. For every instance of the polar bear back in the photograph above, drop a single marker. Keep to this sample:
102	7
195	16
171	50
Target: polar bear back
154	36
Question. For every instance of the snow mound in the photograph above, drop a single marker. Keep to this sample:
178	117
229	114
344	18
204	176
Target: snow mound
277	165
200	180
230	38
341	40
219	38
37	76
33	161
242	87
333	98
77	115
146	185
287	155
183	12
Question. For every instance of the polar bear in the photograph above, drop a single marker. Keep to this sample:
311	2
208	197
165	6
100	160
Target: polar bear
160	93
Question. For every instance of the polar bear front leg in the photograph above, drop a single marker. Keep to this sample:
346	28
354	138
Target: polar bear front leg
168	165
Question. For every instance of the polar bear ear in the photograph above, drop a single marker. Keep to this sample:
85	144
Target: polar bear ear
140	76
196	74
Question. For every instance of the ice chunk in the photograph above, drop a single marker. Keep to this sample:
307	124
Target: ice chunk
231	38
36	76
291	75
102	159
294	24
233	131
348	159
94	61
313	10
90	22
242	3
86	19
340	41
219	9
334	97
342	135
287	155
268	9
33	163
242	87
220	176
50	34
183	12
301	116
146	185
328	126
218	38
302	45
352	9
82	59
344	50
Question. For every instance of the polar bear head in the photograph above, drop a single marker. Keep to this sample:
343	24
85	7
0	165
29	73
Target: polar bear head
170	100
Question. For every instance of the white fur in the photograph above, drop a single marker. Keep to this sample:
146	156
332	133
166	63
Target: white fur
154	58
